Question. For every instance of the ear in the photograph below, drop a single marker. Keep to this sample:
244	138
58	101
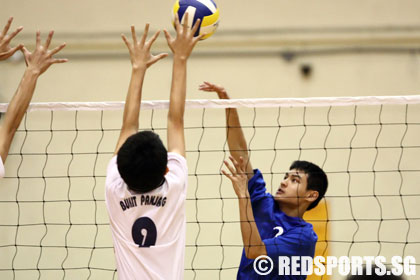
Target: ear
167	170
312	195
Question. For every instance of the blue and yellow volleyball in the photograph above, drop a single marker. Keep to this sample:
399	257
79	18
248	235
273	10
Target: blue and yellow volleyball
205	10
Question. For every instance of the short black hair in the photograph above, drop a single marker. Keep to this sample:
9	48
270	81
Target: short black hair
142	161
317	179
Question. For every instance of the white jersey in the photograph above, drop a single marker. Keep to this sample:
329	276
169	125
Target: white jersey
1	168
148	229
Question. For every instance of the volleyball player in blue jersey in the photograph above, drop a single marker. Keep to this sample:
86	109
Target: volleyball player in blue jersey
271	225
37	63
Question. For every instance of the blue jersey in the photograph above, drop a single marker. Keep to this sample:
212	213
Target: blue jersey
282	235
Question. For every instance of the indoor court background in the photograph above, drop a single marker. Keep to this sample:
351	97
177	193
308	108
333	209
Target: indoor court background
352	48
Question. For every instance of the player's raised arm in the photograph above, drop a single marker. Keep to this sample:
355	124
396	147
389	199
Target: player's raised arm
37	63
251	238
235	136
6	50
141	59
181	46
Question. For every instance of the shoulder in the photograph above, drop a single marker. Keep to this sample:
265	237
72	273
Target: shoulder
113	176
257	179
256	187
174	158
177	164
178	170
256	182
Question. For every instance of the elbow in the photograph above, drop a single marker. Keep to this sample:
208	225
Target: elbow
255	251
251	255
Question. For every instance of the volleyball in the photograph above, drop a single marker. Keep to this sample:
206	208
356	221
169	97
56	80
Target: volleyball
205	10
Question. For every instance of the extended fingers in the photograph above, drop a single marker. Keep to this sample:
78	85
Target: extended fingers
26	54
60	60
205	88
239	166
25	51
153	39
133	34
7	26
14	33
57	49
185	23
146	31
208	85
162	55
167	36
176	21
38	39
230	167
199	37
125	41
158	57
15	49
49	38
227	175
195	27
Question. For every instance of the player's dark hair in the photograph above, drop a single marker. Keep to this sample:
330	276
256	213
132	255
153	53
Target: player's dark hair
142	161
317	179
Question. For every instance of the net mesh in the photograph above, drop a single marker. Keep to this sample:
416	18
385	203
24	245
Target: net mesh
54	225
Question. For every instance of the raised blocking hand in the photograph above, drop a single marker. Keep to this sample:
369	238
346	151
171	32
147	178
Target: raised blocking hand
140	54
184	42
5	50
41	58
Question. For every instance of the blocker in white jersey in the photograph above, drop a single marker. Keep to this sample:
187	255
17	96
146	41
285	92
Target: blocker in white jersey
149	229
146	183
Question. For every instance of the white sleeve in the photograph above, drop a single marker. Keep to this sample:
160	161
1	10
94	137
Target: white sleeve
113	177
1	168
178	169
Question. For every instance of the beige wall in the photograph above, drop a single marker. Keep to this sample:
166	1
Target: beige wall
247	63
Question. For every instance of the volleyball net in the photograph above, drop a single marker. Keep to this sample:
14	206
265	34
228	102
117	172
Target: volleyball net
53	221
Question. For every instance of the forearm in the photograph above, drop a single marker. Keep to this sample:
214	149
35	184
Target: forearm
251	238
236	139
178	90
16	110
133	100
177	97
235	136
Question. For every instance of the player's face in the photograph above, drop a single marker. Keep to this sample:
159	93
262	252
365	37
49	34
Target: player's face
292	189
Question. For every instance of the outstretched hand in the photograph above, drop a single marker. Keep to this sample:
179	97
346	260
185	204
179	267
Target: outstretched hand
41	58
209	87
183	44
238	176
140	55
5	50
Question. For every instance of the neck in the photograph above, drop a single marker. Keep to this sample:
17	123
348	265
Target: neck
292	210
